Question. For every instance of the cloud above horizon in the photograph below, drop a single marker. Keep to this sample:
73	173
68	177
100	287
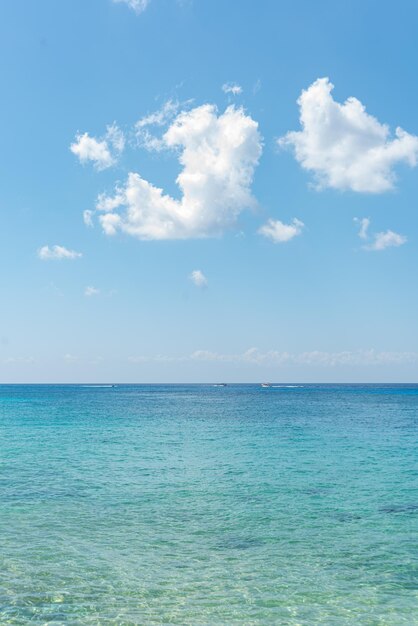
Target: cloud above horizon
278	232
345	147
57	253
275	358
103	152
218	154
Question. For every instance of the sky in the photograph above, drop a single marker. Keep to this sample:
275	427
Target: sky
208	191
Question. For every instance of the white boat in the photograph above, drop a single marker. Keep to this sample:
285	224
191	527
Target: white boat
266	384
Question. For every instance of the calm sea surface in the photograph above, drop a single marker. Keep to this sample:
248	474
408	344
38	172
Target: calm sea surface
209	505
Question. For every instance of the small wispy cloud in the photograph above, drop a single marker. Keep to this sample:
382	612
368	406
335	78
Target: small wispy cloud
381	240
232	88
19	360
256	86
88	217
386	239
279	232
364	224
157	119
161	116
57	253
91	291
136	5
138	359
198	278
275	358
103	152
70	358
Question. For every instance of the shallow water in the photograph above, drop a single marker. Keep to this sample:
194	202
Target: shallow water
293	505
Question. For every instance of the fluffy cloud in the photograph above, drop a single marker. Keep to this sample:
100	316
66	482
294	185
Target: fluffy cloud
279	232
232	88
102	152
137	5
387	239
218	155
57	253
91	291
198	278
345	147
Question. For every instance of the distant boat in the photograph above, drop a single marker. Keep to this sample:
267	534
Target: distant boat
266	384
219	385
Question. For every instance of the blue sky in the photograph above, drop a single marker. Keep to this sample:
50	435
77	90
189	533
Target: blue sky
250	267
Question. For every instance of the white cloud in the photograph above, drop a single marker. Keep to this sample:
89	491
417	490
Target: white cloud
256	86
364	224
57	253
137	5
70	358
232	88
218	155
91	291
149	141
345	147
103	152
275	358
252	356
115	138
198	278
25	360
90	149
315	357
158	118
138	359
381	240
387	239
279	232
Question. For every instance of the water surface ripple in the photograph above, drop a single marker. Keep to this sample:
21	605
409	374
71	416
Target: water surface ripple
209	505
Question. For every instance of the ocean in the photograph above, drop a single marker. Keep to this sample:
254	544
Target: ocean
196	504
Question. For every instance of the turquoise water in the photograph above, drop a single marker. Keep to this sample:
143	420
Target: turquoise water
209	505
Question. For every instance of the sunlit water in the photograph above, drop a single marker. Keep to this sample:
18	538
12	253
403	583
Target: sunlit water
208	505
